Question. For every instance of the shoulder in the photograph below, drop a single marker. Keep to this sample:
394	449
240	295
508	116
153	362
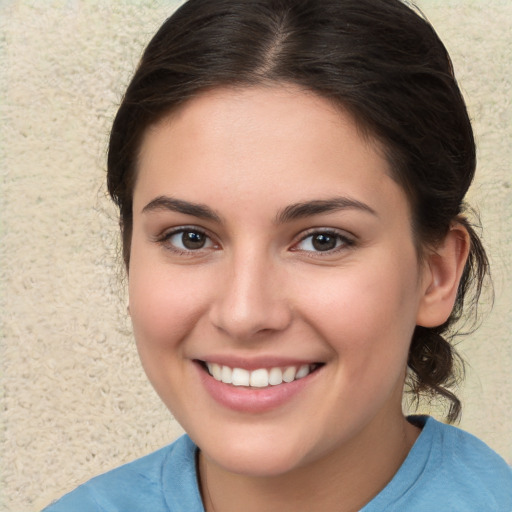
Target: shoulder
474	472
147	483
448	470
468	455
464	471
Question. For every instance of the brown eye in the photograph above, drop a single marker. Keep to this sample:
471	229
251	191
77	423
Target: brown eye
188	240
324	242
193	240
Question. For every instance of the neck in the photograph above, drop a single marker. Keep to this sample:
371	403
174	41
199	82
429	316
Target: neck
342	481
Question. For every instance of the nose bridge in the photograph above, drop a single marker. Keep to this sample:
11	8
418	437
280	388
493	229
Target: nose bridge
251	298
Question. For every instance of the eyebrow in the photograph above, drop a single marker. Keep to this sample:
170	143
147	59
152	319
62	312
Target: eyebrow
200	211
319	206
291	212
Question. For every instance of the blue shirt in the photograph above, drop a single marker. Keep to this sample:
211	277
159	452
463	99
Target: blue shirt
447	470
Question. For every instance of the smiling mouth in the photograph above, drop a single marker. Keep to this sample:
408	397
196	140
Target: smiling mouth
260	378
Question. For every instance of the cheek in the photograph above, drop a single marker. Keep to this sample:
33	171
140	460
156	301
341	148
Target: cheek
366	312
165	303
166	308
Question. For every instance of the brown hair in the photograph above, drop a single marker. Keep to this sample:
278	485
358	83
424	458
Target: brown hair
380	60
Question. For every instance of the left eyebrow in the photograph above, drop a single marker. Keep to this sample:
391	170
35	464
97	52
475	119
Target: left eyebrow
200	211
319	206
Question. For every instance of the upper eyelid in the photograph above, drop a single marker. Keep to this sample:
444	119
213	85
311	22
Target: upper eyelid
300	236
343	233
348	240
164	239
179	229
165	234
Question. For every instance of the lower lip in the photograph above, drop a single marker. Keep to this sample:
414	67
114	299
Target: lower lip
253	400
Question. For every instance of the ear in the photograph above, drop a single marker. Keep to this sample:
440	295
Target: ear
443	267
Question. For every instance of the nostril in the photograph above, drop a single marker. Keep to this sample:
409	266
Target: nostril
251	320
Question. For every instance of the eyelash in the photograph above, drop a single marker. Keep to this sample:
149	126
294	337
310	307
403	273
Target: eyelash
343	242
165	240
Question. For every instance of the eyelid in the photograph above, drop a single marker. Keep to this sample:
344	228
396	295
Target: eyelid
164	237
348	240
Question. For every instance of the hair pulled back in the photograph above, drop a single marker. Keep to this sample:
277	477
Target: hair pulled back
380	61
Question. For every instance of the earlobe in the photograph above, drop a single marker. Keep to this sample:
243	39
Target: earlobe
442	273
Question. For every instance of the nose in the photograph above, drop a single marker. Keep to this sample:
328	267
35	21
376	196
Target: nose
251	299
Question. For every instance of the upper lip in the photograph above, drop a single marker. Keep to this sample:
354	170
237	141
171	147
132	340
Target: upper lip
257	362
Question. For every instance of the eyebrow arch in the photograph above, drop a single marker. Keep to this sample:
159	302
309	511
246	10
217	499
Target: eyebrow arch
319	206
178	205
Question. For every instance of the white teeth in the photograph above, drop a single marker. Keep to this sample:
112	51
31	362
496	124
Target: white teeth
289	374
240	377
226	375
215	370
302	371
260	378
275	376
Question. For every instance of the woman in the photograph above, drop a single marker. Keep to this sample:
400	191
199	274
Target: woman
291	179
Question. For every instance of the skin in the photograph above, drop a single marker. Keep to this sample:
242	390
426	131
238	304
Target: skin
258	288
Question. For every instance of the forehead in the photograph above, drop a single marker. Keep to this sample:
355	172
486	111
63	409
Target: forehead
276	142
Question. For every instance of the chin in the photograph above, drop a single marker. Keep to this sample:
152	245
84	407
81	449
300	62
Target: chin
255	454
261	464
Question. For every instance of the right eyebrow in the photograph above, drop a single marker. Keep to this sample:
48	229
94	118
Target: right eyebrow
320	206
200	211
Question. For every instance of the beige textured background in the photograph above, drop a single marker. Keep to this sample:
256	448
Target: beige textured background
74	399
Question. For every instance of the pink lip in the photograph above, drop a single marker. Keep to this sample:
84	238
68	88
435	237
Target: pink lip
253	400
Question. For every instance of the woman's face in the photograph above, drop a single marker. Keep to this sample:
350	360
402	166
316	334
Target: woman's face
270	243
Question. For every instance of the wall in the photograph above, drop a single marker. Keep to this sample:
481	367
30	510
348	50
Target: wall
75	401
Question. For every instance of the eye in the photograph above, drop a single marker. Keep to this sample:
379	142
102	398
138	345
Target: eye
323	241
187	240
